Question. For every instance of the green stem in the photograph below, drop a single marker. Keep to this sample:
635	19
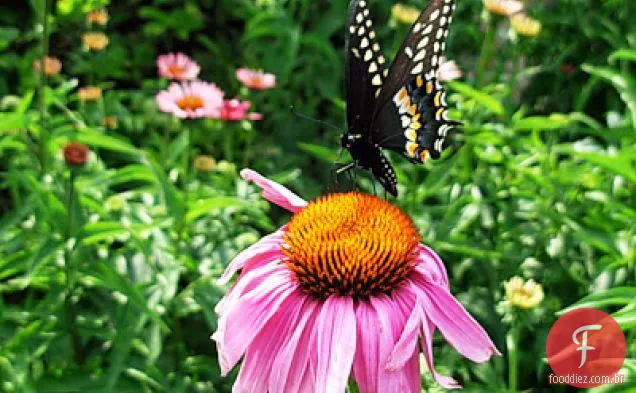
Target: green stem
486	50
71	275
42	86
512	341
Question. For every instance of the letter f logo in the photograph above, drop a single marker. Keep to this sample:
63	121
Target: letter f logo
584	347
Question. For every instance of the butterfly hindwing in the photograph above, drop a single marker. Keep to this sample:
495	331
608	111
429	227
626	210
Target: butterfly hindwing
410	115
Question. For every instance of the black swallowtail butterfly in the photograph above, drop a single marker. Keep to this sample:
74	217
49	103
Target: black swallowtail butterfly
403	107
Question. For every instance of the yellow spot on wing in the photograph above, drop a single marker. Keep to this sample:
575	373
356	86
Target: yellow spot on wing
429	87
438	114
419	81
438	96
412	109
423	155
411	148
410	134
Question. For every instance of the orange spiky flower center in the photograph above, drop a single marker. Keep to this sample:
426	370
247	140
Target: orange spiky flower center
190	102
350	244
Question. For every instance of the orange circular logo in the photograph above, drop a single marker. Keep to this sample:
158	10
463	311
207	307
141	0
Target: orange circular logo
586	348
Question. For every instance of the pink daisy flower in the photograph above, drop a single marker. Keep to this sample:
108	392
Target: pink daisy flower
191	99
448	71
177	66
255	79
344	289
235	109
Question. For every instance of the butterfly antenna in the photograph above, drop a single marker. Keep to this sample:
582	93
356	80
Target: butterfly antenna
321	122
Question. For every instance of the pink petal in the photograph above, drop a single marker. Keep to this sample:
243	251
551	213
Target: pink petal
407	342
275	192
392	320
245	320
366	361
256	370
427	346
292	361
430	266
335	344
456	325
255	255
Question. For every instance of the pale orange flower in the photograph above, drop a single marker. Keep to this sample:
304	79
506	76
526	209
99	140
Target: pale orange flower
98	17
109	122
89	93
52	66
525	25
503	7
404	13
95	40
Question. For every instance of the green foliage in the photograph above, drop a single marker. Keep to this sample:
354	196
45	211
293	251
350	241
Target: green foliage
108	271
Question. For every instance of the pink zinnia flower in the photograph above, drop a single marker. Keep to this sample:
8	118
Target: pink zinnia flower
235	109
345	288
448	71
191	99
255	79
177	66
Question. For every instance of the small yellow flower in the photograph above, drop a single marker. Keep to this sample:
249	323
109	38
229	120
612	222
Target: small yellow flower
89	93
522	294
404	13
503	7
109	122
525	25
204	163
52	66
95	40
99	17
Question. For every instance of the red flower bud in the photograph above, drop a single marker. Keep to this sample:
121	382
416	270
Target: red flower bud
76	153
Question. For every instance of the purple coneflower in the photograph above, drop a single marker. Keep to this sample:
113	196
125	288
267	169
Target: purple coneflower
344	289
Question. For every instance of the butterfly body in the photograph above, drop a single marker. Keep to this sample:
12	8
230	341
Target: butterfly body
401	108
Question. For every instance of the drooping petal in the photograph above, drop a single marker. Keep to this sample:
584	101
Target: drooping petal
275	192
427	347
456	325
408	340
392	321
335	344
292	361
253	256
256	370
247	317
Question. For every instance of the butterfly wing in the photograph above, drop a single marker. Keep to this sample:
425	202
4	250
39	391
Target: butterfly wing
410	115
365	69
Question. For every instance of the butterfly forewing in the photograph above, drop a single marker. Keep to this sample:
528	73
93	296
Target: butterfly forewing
410	114
365	68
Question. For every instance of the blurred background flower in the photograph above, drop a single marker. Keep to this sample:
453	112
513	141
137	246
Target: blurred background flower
523	294
235	109
98	17
405	14
52	65
177	66
255	79
95	40
89	93
525	25
191	99
448	71
503	7
76	153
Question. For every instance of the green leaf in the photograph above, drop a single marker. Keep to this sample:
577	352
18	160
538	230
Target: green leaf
617	296
321	152
481	98
622	54
205	206
96	139
552	122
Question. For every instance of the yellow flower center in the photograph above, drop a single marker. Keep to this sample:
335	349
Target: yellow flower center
350	244
190	103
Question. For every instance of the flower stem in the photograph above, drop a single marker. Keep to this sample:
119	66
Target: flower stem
512	341
42	85
486	50
71	274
